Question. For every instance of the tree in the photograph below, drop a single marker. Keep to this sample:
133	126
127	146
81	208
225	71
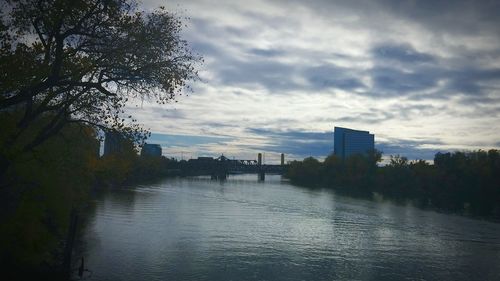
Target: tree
398	161
306	172
79	61
36	197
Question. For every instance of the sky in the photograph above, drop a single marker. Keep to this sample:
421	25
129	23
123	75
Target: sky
423	76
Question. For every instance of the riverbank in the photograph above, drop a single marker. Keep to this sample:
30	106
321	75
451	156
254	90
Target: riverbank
466	183
40	188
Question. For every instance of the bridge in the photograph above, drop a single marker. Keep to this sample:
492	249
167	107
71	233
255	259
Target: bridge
221	167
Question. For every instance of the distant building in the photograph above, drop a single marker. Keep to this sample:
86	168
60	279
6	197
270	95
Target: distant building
113	142
202	161
205	159
150	149
348	142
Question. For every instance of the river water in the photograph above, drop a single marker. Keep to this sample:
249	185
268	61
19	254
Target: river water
243	229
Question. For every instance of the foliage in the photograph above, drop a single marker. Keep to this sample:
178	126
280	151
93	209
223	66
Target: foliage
37	192
466	182
308	171
81	60
114	169
472	180
398	161
128	167
151	167
41	186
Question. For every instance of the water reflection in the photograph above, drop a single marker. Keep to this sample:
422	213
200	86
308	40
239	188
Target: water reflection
242	229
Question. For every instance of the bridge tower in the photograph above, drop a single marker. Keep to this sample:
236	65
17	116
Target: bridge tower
261	172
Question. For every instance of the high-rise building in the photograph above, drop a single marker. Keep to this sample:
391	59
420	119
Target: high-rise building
348	142
150	149
113	142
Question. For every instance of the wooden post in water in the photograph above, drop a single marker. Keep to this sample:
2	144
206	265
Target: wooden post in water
68	248
262	175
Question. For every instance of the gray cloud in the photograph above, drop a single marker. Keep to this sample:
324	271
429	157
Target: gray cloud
412	149
272	75
266	52
185	140
298	143
401	53
391	81
407	150
368	118
469	80
455	17
331	76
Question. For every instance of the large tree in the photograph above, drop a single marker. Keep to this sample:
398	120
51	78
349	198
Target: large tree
67	61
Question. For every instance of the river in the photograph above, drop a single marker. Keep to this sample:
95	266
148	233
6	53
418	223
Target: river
243	229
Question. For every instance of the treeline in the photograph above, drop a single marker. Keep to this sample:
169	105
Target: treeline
462	182
40	186
128	167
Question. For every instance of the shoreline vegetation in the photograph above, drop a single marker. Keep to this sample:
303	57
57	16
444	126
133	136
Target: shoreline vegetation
42	188
465	183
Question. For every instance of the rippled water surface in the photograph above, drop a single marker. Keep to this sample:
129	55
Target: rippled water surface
242	229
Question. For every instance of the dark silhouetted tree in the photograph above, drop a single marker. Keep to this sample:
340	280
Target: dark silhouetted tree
81	60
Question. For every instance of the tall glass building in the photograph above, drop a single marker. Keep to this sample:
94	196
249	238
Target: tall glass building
150	149
347	142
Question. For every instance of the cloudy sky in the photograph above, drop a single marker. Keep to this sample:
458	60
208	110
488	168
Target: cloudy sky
423	76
